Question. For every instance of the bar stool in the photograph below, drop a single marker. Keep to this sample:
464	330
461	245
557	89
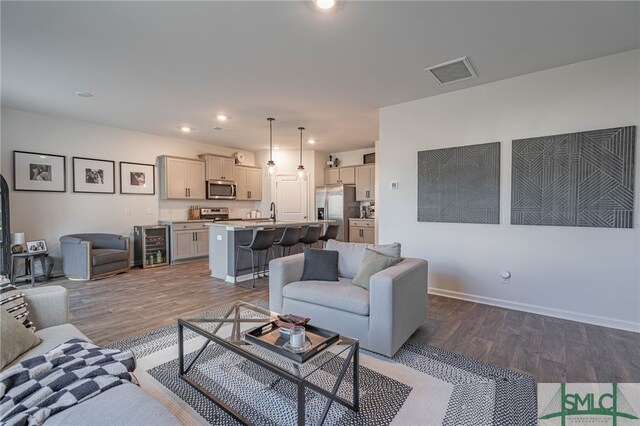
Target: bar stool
330	234
262	241
311	236
290	238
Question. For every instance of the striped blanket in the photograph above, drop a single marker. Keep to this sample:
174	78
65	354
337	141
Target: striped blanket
39	387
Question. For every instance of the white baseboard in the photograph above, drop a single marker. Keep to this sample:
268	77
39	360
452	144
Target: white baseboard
541	310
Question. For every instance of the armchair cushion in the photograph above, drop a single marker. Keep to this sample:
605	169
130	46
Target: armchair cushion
105	256
350	254
320	265
372	263
341	295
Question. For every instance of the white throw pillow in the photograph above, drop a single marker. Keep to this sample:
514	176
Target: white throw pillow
350	255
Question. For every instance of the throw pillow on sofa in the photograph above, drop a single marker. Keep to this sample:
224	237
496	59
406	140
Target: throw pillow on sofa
12	301
15	339
320	265
351	254
372	263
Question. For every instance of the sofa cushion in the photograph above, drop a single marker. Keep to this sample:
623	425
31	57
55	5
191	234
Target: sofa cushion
372	263
341	295
15	339
105	256
125	404
350	254
12	301
320	265
51	337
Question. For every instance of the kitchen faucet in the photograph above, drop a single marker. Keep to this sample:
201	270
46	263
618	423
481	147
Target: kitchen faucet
272	209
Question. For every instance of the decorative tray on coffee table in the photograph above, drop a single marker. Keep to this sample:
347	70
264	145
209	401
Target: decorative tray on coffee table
268	336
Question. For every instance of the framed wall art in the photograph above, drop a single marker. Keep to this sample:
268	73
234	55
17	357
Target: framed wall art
94	176
34	171
137	178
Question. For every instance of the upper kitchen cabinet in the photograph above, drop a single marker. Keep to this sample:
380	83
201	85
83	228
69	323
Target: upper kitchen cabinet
219	168
342	175
365	183
181	178
249	183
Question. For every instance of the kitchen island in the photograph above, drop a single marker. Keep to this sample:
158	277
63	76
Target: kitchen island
226	236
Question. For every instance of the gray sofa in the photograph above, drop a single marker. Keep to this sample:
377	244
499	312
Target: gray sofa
382	319
94	255
126	404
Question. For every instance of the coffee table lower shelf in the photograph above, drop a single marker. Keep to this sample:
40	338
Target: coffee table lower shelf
300	382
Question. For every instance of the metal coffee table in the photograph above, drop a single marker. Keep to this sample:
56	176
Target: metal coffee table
228	331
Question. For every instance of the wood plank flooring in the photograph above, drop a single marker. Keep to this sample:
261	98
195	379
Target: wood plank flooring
550	349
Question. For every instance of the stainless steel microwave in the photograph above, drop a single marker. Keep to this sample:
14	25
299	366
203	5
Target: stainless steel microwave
221	190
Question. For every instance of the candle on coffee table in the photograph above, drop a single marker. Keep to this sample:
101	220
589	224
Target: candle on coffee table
296	339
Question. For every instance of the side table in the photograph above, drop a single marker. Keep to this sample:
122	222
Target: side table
29	267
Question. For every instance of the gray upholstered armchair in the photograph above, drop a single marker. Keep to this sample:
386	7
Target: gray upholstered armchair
90	256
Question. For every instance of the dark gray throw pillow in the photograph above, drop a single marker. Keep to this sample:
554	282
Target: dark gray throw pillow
320	265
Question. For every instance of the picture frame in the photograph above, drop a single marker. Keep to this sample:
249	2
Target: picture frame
137	178
36	246
95	176
369	158
34	171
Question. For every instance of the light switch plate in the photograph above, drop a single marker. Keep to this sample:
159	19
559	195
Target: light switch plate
394	184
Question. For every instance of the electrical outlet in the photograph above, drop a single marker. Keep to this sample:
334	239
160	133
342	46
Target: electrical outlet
219	237
127	211
394	185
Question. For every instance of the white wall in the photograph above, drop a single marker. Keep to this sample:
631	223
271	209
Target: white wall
587	274
351	158
42	215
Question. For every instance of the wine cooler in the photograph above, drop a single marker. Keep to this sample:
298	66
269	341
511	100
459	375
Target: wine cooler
151	246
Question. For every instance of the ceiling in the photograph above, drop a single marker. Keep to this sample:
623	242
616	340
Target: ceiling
154	66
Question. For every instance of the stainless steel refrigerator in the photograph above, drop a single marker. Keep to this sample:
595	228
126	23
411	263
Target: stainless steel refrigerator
338	203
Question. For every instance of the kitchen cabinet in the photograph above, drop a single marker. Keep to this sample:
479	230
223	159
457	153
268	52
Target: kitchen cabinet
189	241
182	178
362	231
219	168
342	175
365	183
249	183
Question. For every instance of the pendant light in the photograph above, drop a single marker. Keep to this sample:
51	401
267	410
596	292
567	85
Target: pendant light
270	170
301	174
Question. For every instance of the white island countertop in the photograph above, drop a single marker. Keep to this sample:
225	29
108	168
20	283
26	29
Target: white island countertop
244	224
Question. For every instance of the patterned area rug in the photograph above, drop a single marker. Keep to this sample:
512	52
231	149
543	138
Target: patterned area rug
420	385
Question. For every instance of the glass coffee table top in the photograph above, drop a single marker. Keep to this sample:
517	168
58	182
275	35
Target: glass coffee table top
232	325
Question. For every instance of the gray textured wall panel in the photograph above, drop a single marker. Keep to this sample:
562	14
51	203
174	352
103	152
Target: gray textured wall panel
575	179
460	184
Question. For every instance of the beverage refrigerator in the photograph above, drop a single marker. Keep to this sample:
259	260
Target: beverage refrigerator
337	203
151	246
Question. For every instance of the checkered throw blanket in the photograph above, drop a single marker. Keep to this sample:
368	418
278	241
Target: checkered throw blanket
73	372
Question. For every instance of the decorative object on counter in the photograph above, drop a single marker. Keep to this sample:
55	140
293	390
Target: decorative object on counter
330	162
34	171
137	178
301	174
240	157
17	242
271	170
37	246
194	213
369	158
94	176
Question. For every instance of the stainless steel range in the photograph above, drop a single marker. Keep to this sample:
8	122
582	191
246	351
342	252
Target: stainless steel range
215	213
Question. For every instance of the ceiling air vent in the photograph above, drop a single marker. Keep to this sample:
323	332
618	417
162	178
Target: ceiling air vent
452	71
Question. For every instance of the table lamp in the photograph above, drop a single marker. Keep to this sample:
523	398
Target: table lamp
17	241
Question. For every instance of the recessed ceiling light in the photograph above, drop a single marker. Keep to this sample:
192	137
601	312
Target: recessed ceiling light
222	117
325	4
186	129
84	94
311	141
